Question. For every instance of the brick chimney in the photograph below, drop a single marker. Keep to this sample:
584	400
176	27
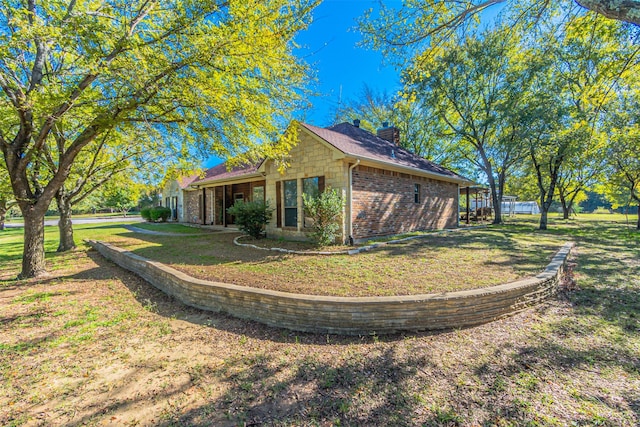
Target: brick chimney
356	123
390	133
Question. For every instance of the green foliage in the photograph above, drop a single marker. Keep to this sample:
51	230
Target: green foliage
325	210
208	77
251	217
160	213
122	195
145	213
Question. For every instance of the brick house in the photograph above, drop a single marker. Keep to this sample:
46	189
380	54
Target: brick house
173	197
387	189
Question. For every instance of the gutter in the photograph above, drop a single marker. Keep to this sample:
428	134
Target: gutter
351	200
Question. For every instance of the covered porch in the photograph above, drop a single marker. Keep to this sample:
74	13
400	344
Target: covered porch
214	199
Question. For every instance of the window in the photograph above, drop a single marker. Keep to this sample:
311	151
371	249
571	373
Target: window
258	194
416	193
291	203
310	187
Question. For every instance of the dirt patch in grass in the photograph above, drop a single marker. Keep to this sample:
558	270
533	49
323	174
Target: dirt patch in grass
435	263
95	345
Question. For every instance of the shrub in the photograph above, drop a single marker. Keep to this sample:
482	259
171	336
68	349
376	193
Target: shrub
251	217
326	212
145	213
159	213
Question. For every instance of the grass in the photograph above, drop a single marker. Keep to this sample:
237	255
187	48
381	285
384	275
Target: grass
92	344
435	263
170	228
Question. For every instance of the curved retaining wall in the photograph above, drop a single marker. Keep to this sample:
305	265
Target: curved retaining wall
347	315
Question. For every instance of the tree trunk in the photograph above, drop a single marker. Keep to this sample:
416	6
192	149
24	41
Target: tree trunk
3	214
638	224
64	224
33	264
497	209
543	219
566	208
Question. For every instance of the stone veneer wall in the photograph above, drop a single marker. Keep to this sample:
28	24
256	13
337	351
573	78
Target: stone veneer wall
347	315
383	203
308	158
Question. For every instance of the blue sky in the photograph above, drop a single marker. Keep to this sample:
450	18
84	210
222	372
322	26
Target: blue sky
342	68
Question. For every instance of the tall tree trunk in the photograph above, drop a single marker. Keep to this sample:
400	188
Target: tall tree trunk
3	214
33	264
566	208
543	219
64	224
638	224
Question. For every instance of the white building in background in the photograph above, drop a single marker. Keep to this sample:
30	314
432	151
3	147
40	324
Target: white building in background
530	207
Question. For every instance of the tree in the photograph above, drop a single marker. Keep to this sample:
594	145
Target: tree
216	76
6	196
109	157
623	153
421	22
589	60
121	194
477	89
583	171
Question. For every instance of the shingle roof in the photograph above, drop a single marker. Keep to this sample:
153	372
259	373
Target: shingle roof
221	172
185	181
354	141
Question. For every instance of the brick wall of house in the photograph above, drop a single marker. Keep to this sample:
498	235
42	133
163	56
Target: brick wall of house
384	203
191	208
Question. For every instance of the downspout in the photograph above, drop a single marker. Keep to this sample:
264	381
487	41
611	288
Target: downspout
458	207
351	200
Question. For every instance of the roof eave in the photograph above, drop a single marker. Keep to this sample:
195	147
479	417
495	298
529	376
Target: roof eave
241	178
463	182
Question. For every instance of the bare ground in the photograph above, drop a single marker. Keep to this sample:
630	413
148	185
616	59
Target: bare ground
94	345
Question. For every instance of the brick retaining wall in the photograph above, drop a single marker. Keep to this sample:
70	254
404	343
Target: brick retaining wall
347	315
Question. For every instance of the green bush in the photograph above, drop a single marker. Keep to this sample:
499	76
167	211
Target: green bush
160	213
326	212
251	217
145	213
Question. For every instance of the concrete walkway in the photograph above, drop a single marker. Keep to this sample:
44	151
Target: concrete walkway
97	220
160	233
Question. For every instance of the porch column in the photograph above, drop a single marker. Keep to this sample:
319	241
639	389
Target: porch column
224	205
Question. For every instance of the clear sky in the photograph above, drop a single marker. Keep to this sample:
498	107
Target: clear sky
342	68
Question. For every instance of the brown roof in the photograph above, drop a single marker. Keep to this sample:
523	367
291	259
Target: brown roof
221	172
184	181
355	141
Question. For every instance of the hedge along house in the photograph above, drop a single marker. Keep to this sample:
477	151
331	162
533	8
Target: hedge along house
387	189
